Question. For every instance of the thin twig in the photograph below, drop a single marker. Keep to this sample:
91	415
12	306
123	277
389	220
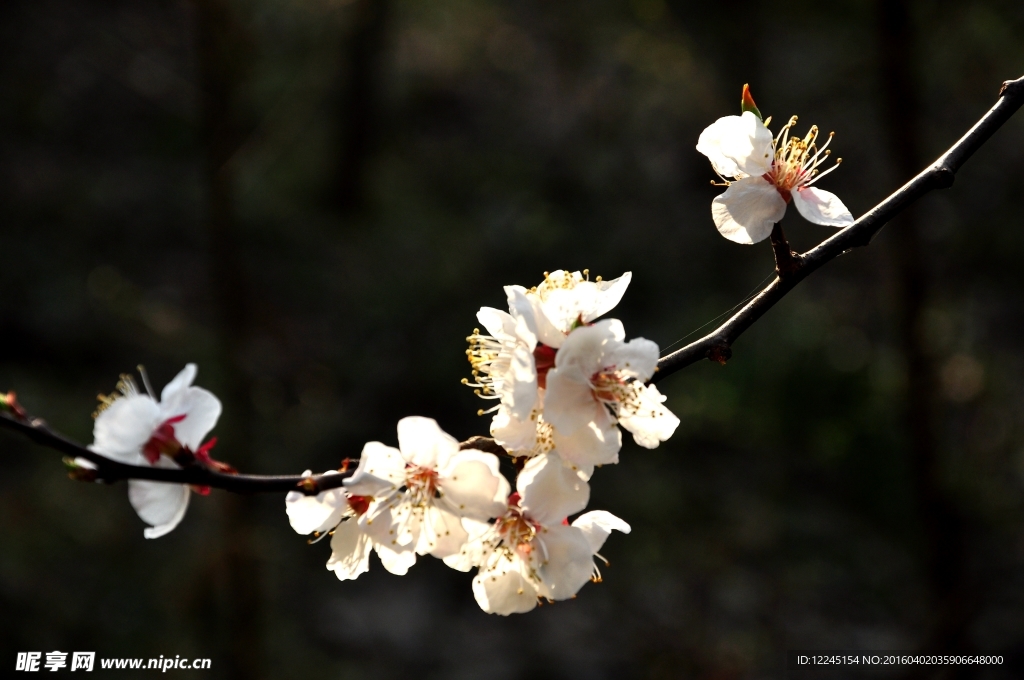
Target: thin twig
109	471
717	345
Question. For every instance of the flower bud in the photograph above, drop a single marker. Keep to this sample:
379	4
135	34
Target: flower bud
747	103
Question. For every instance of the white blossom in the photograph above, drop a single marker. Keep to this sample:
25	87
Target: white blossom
335	513
598	380
531	552
135	428
512	364
423	489
764	173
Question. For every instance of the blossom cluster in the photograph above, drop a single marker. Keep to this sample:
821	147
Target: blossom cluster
563	381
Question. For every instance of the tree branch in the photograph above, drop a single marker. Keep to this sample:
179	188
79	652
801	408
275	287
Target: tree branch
717	345
109	471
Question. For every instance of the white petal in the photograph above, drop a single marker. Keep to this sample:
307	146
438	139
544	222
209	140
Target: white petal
499	324
350	551
477	548
122	429
748	209
442	535
408	526
588	346
567	562
518	437
502	589
635	359
396	562
322	512
595	444
472	486
737	145
422	442
519	386
569	402
380	523
605	295
821	207
649	421
175	389
531	320
201	410
381	470
597	525
549	491
159	504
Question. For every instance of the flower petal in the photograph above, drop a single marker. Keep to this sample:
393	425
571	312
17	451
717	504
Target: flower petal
477	548
597	526
423	442
532	324
472	486
567	562
499	324
124	427
737	145
604	296
350	552
159	504
595	444
503	589
396	562
748	209
519	387
569	403
380	523
442	535
322	512
518	437
635	359
821	207
201	410
175	389
381	471
549	491
649	421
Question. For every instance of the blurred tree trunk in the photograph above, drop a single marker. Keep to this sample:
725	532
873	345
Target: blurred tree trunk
945	549
359	104
223	53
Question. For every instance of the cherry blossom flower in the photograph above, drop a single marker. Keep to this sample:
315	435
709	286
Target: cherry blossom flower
531	551
598	380
423	489
511	364
597	443
135	428
763	174
335	513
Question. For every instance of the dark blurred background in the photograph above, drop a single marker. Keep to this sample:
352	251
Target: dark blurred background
311	199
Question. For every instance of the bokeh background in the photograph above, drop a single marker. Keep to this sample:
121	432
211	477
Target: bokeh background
311	198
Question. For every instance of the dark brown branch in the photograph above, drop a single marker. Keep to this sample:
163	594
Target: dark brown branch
109	471
717	345
787	262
